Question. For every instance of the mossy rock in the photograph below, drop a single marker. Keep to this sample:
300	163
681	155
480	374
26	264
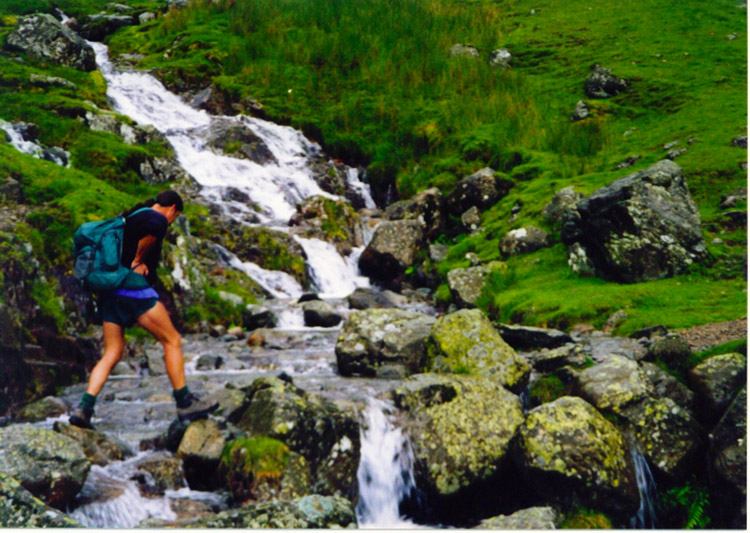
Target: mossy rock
20	509
547	389
614	384
466	342
585	519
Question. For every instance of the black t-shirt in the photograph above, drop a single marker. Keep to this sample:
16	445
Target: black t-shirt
137	226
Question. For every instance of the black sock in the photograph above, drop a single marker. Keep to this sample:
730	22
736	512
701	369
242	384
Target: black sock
181	396
88	401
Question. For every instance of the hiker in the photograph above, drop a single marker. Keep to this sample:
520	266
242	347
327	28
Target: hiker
145	226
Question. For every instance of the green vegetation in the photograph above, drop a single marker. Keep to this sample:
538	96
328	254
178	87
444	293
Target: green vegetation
246	463
738	346
547	389
686	506
580	518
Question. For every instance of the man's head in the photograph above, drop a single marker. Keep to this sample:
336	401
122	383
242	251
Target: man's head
169	204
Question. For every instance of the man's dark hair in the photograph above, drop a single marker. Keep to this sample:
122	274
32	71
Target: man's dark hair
164	198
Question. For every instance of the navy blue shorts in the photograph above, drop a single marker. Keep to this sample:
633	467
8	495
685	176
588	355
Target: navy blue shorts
124	310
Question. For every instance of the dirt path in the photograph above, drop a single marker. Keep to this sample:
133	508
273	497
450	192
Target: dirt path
708	335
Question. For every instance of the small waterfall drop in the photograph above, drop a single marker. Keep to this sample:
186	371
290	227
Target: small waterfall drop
16	139
385	474
645	518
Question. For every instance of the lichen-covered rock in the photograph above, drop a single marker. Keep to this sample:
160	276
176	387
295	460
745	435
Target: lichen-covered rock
51	466
563	201
318	313
235	139
308	512
333	221
394	247
466	341
158	473
668	386
728	440
98	447
325	433
568	450
531	518
549	360
581	111
601	83
642	227
263	469
460	428
19	508
482	189
47	407
671	349
717	379
668	435
426	206
523	241
527	337
46	38
200	450
376	337
613	384
466	284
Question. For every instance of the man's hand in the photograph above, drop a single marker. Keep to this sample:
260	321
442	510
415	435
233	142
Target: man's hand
140	269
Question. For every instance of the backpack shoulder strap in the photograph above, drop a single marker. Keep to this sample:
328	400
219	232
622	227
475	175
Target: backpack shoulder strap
138	211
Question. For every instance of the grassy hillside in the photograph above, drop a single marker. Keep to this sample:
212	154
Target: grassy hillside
374	83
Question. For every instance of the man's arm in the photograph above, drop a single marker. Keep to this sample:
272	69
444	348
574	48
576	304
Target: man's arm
143	246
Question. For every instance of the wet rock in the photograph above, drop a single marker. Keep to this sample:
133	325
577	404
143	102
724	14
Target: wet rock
47	407
601	83
667	386
308	512
717	379
20	509
466	341
563	201
394	248
235	139
257	316
467	284
463	50
230	401
333	221
367	298
482	189
668	436
426	206
200	451
376	337
263	469
523	241
155	362
613	384
642	227
51	466
500	58
325	433
581	111
174	434
45	38
209	362
97	27
460	428
569	451
527	338
320	314
162	472
728	462
531	518
98	447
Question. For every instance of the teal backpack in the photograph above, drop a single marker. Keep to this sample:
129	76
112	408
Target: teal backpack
97	247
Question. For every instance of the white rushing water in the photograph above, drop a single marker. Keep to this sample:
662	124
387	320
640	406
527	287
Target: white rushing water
645	518
274	188
385	473
15	138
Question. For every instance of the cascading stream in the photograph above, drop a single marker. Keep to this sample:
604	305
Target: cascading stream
645	518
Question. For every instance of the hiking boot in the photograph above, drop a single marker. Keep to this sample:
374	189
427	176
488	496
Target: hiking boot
81	417
196	408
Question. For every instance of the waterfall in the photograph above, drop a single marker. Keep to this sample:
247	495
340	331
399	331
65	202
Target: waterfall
16	139
385	474
274	188
645	518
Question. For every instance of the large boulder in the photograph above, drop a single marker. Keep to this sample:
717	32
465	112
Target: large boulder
482	189
233	138
569	451
668	436
324	433
98	447
466	341
258	316
375	338
642	227
51	466
20	509
460	428
318	313
523	241
717	379
467	284
601	83
531	518
528	337
46	38
200	450
368	298
563	201
333	221
395	247
158	473
308	512
613	384
426	206
668	386
97	27
47	407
